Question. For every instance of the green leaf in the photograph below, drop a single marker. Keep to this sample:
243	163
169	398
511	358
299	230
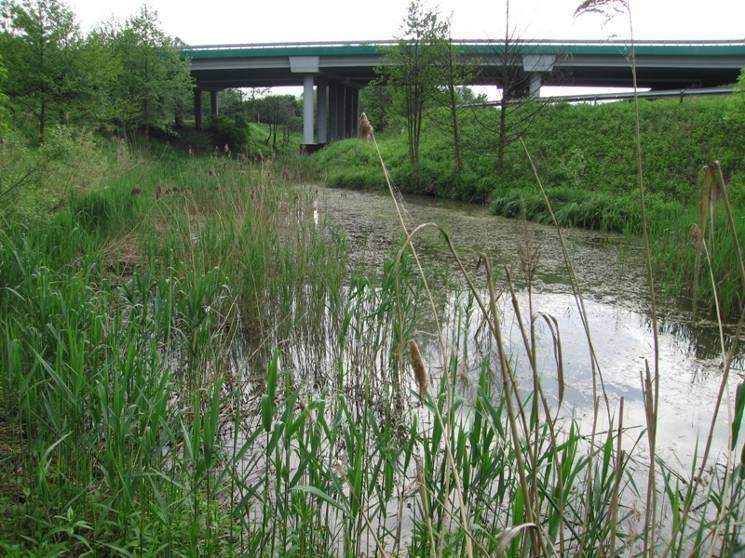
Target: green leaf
739	408
271	377
267	412
318	493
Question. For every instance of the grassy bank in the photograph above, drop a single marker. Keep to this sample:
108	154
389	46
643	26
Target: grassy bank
118	319
189	369
585	156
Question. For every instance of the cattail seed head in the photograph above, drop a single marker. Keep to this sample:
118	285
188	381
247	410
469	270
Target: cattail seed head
421	486
339	469
420	371
419	476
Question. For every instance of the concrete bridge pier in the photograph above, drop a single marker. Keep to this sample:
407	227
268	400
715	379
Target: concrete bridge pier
308	138
213	108
535	65
341	97
333	111
534	89
343	111
354	111
198	108
323	113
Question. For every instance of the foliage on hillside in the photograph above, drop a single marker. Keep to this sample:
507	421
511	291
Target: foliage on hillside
576	147
241	136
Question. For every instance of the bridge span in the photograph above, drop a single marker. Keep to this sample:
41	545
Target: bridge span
336	71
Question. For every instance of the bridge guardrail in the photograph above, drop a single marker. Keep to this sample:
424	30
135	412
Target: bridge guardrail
466	42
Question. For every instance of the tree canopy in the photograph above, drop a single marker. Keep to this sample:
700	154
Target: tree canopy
40	46
415	68
151	81
124	76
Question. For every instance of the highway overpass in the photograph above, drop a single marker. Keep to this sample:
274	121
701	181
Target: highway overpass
337	70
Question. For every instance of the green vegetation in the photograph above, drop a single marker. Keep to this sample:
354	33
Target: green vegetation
125	77
117	321
580	147
585	157
37	181
259	127
189	369
3	99
414	69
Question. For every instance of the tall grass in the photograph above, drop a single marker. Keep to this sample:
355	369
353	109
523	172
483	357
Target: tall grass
190	369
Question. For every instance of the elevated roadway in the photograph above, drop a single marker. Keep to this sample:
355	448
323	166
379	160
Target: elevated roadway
337	70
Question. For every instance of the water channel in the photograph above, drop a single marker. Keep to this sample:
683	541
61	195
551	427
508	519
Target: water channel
610	274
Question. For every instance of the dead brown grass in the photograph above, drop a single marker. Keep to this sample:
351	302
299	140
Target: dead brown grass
121	255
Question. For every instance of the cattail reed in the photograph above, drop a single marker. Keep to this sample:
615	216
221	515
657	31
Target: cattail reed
422	488
420	371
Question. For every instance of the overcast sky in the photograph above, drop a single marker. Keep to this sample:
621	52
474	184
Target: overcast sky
231	21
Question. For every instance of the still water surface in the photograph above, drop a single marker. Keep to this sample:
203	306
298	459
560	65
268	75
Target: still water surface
610	273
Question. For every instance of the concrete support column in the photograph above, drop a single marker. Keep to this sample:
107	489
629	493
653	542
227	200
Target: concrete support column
308	109
322	99
341	113
333	132
348	113
213	108
197	108
355	112
535	65
536	81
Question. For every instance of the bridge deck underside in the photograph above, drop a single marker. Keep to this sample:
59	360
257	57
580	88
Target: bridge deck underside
652	73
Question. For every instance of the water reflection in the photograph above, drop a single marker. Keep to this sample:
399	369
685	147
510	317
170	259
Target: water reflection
610	272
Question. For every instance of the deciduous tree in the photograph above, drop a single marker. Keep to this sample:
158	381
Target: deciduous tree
376	100
414	70
39	44
152	80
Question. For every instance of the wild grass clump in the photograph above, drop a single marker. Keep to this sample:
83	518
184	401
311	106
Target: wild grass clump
37	180
600	211
118	322
580	147
189	369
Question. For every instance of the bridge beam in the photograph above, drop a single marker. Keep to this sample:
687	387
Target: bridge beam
669	64
308	138
323	115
